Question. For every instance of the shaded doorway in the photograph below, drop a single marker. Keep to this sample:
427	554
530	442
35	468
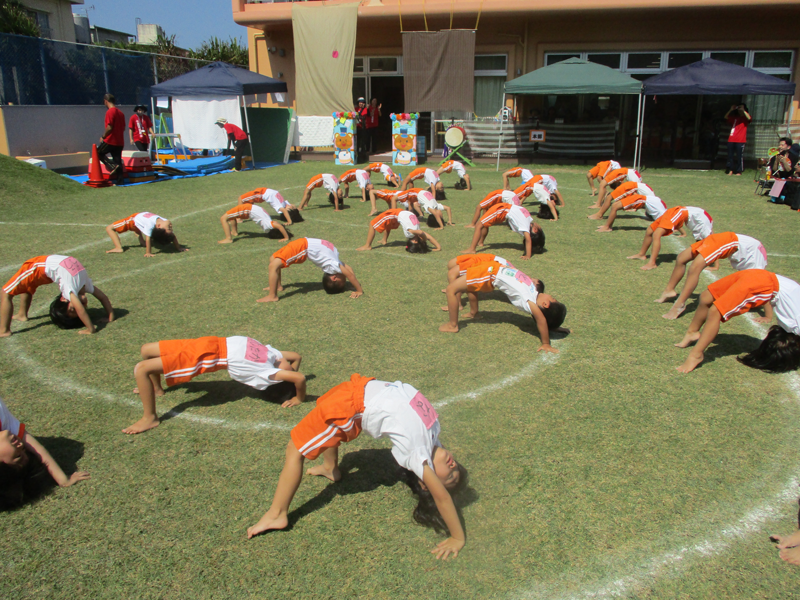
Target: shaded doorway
391	95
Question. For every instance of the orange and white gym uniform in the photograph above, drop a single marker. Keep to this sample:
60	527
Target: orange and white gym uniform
453	165
139	223
672	219
653	206
67	272
523	191
743	251
320	252
429	175
622	175
500	196
631	187
250	211
394	218
381	168
601	169
743	291
466	261
480	278
326	180
268	195
518	218
386	195
184	360
520	172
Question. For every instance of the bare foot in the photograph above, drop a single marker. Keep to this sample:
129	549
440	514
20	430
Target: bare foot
665	296
649	267
469	226
447	308
373	213
791	555
320	471
447	328
789	541
266	289
142	425
467	251
363	248
603	229
594	206
594	217
268	298
282	240
675	312
269	521
156	393
225	242
690	364
689	338
637	257
476	316
5	334
114	251
21	318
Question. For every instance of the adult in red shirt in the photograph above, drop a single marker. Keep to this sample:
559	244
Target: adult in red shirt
113	139
140	128
739	118
371	123
238	138
362	139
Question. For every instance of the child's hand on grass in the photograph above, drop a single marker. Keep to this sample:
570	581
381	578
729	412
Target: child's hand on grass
525	257
291	402
447	547
762	319
547	348
76	477
355	295
149	255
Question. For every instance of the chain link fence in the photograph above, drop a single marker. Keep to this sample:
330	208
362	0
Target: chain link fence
40	71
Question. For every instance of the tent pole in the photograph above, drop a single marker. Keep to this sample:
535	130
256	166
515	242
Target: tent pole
500	137
789	115
638	131
153	140
641	130
249	139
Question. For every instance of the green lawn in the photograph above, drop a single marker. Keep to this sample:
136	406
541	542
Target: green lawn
599	472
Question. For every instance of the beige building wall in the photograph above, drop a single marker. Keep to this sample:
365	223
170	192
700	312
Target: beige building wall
59	14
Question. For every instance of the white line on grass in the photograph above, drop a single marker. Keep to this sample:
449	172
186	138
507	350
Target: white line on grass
54	224
784	255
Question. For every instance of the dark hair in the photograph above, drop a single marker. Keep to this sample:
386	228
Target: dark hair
461	184
161	236
614	185
439	194
110	98
778	353
59	317
744	106
545	212
432	222
787	140
333	284
537	242
18	486
421	247
295	214
274	234
540	286
426	513
332	198
554	314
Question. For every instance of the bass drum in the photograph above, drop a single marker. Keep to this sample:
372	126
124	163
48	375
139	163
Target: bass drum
454	136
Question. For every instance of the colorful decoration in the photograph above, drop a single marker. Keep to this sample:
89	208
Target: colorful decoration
344	138
404	138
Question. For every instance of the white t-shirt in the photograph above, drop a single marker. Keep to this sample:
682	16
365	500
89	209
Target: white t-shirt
633	176
550	183
654	207
612	166
330	183
7	421
325	255
526	175
386	171
458	168
644	189
428	203
252	363
259	216
787	304
750	254
274	199
145	222
362	178
431	177
519	219
540	193
401	413
510	197
699	223
408	220
69	274
517	286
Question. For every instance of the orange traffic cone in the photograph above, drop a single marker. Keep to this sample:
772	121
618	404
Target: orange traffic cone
96	179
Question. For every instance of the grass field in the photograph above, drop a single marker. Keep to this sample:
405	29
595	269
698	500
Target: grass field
598	472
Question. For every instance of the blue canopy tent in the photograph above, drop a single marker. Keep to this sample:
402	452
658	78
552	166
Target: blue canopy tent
223	79
709	77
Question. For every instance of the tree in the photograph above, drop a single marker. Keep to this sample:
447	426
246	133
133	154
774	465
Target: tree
15	19
231	51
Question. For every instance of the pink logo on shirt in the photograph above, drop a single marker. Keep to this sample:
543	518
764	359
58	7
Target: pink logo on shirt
328	245
525	212
763	251
515	200
423	408
280	198
148	215
522	278
256	351
72	265
414	220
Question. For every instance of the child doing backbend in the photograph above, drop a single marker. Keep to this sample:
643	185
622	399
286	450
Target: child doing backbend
359	176
331	185
526	175
523	292
22	458
246	360
620	191
518	219
743	251
493	198
653	207
599	171
737	294
551	185
453	165
320	252
68	311
617	176
457	267
256	214
547	202
146	225
417	240
381	409
696	219
275	200
385	170
435	186
434	210
388	196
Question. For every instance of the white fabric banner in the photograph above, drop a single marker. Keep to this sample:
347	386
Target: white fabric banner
195	119
315	131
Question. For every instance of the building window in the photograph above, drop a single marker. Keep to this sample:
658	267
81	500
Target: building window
491	71
772	60
358	65
735	58
681	59
606	59
639	61
384	64
551	59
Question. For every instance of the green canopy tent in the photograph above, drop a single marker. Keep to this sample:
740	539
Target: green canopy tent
575	76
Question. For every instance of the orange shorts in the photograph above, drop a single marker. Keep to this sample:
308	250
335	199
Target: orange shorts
293	253
523	191
465	261
314	182
240	212
492	198
348	176
495	215
335	419
29	277
480	278
670	220
600	169
125	224
184	360
616	175
384	222
633	201
385	195
514	172
417	174
716	246
253	196
742	291
624	189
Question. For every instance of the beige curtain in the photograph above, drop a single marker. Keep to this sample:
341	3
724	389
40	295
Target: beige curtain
324	46
439	70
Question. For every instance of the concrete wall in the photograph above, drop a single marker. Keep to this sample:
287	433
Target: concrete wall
60	16
43	130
